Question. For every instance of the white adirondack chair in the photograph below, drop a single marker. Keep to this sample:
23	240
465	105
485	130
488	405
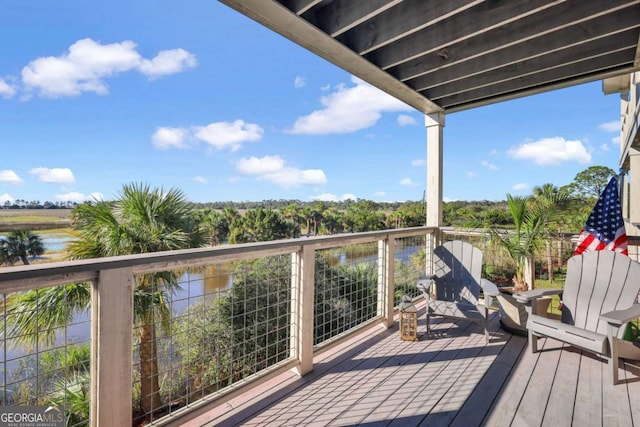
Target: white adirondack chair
599	299
454	287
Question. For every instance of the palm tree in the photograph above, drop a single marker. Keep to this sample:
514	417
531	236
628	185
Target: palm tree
522	243
141	220
20	245
216	225
552	199
293	213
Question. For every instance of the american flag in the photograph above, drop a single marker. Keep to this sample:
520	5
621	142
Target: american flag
604	229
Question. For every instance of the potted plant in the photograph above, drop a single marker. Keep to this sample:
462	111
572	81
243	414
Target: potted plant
530	218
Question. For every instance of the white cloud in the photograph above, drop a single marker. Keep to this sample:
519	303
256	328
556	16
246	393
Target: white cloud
325	197
55	175
449	200
329	197
612	126
274	169
489	165
200	179
10	177
522	186
406	120
552	151
260	166
7	90
615	140
6	197
299	82
87	63
165	138
74	196
407	182
418	163
167	62
471	174
325	87
229	135
348	109
291	177
380	194
604	147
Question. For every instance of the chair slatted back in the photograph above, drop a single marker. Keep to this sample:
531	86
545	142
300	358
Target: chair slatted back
598	282
458	265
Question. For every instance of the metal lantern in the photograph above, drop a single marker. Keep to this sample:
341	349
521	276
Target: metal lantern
408	320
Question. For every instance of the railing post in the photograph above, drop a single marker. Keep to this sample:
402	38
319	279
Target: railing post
303	284
111	348
432	240
386	282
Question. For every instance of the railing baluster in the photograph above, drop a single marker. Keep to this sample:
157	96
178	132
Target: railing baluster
111	342
386	275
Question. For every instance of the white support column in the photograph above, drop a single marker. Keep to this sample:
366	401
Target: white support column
434	124
386	282
634	187
304	289
111	348
624	193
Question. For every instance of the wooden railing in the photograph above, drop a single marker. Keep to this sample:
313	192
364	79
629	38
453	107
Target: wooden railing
113	282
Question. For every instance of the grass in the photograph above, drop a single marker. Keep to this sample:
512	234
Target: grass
558	283
29	214
34	219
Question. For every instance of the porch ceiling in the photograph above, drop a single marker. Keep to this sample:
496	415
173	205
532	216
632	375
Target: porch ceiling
447	56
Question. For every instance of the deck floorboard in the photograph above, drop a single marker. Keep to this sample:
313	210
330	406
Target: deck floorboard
450	378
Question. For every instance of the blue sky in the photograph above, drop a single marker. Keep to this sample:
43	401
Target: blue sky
193	95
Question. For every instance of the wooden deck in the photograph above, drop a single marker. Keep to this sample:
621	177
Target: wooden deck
451	378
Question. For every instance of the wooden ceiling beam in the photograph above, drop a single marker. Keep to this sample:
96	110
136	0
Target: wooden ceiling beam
588	69
559	59
403	19
494	43
471	23
299	7
342	15
599	33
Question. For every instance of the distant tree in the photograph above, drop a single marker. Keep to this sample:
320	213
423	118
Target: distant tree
20	245
260	225
364	216
333	221
410	214
216	226
590	182
293	213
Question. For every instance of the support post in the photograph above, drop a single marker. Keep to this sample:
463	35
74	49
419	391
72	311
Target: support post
111	348
303	284
386	282
634	187
434	124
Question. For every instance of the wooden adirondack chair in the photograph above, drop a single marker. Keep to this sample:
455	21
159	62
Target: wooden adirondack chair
454	287
599	299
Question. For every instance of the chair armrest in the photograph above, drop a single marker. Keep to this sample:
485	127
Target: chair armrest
489	288
619	317
525	297
426	281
